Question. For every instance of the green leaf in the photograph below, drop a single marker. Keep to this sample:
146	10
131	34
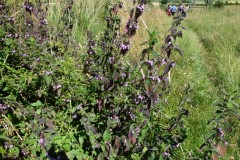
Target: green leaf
8	42
37	104
106	136
144	150
31	41
48	79
39	111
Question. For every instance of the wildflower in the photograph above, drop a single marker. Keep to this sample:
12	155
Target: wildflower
139	11
7	145
220	132
91	43
120	5
57	86
1	6
41	140
111	60
74	116
79	106
91	51
43	22
124	47
16	35
166	154
2	106
24	152
164	61
172	64
124	75
140	8
48	73
9	35
11	20
150	62
141	97
28	7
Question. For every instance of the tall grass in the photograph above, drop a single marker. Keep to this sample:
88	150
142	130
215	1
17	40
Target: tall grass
88	16
210	65
220	39
215	62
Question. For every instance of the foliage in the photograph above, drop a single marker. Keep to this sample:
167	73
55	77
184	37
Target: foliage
218	4
60	102
52	107
163	1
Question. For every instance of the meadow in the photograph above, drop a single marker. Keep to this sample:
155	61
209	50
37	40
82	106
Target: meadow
93	80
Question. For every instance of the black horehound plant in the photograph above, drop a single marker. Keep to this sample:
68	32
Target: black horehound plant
127	97
59	103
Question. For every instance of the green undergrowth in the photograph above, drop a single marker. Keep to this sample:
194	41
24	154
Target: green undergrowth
211	67
191	71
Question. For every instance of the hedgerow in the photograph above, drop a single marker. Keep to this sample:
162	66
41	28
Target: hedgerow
59	102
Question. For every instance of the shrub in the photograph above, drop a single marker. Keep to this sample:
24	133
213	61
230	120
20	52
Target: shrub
57	102
164	1
218	4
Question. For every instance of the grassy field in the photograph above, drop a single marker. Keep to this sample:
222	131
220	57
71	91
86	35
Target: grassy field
211	66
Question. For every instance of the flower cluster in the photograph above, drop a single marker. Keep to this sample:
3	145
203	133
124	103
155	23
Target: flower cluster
91	44
131	27
139	11
120	5
57	86
4	107
28	7
124	47
1	6
150	62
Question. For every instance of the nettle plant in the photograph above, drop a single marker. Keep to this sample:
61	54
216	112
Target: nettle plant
58	103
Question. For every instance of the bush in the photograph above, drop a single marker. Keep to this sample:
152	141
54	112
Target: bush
164	1
218	4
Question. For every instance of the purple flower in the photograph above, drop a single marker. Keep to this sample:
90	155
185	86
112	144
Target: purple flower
48	73
3	106
24	152
172	64
16	35
125	84
7	145
74	116
166	154
41	140
124	75
124	47
57	86
24	55
150	62
164	61
11	20
120	5
43	22
111	60
79	106
9	35
140	97
140	8
220	131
